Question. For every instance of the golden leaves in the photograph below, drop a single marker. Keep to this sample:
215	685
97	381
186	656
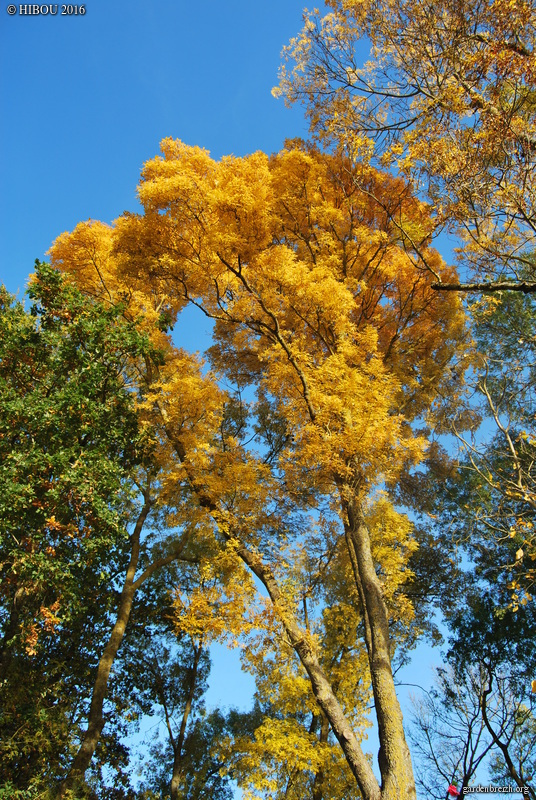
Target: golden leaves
85	254
305	262
88	256
392	546
286	255
220	608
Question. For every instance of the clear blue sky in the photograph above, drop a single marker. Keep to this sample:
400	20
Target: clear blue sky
85	100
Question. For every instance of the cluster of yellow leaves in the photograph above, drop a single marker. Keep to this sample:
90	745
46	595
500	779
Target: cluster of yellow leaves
291	745
392	546
280	754
86	254
220	608
525	534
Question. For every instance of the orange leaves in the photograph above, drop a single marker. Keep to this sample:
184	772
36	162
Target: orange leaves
161	179
45	623
29	639
242	198
49	616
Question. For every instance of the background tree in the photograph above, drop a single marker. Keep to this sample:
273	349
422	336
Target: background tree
485	512
449	738
82	470
446	99
479	716
521	749
186	763
496	499
202	608
70	446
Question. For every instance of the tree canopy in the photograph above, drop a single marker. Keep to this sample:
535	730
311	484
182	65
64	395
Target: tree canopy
446	98
320	313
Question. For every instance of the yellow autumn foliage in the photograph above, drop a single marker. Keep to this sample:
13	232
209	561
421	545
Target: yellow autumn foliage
327	328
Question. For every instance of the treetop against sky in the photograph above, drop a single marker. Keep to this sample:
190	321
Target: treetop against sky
86	100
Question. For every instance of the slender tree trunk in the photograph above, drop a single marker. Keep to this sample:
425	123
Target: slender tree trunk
318	784
394	757
179	744
91	737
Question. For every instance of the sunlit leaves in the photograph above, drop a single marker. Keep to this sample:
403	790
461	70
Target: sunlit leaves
447	98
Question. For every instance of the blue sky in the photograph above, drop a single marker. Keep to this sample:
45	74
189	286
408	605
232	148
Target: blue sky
85	100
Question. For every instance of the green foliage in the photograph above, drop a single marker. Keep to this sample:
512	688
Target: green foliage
70	445
9	792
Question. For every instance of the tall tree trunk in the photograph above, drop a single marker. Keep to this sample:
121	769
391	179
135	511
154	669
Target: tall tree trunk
91	737
394	757
395	761
321	686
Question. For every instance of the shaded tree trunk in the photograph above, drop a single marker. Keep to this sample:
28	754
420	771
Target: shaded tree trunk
91	737
318	784
178	744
